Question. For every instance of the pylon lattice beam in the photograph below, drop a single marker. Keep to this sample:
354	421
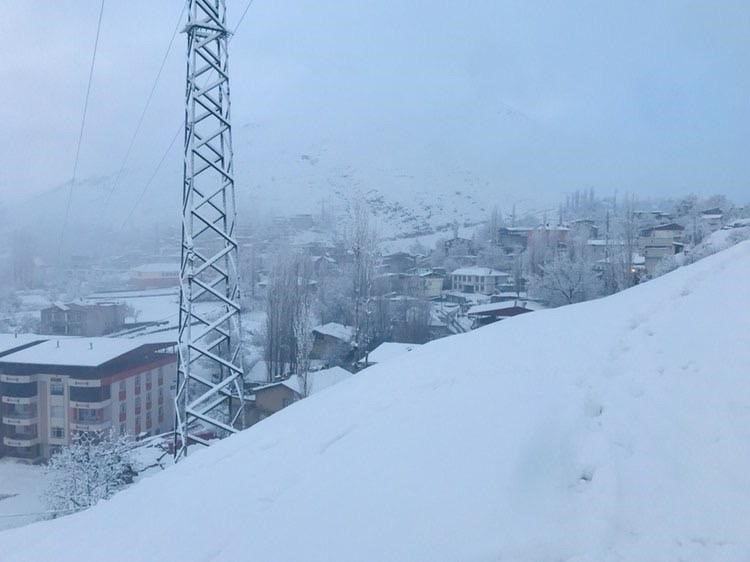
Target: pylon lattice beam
209	395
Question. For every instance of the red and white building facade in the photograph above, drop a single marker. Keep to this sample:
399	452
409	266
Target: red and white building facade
52	388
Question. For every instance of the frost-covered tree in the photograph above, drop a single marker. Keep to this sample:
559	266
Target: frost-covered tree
566	278
303	326
93	468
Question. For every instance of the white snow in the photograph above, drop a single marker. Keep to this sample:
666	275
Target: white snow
20	495
613	430
317	380
495	306
9	342
389	350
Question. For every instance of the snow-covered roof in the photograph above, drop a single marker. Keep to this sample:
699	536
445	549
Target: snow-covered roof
336	330
10	342
504	305
83	352
480	271
388	350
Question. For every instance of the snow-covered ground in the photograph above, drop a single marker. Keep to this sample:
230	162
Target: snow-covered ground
21	486
612	430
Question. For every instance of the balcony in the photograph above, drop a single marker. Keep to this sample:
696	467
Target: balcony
15	439
90	405
20	401
17	379
18	389
20	420
90	426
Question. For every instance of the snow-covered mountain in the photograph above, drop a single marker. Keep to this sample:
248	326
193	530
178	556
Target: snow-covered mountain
617	429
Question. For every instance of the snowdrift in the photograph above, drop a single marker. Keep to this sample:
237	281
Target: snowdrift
612	430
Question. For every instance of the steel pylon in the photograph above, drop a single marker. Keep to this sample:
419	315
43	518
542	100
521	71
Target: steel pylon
209	400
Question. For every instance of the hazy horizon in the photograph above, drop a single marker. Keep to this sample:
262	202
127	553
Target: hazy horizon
511	99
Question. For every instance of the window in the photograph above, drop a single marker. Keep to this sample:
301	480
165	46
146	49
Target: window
161	414
160	376
123	430
57	432
161	396
137	404
148	420
123	413
56	388
57	411
138	384
122	393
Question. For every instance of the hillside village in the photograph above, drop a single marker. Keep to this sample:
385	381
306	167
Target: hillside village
320	306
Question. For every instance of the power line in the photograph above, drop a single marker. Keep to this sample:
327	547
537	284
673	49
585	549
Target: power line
178	131
242	17
80	132
150	179
146	106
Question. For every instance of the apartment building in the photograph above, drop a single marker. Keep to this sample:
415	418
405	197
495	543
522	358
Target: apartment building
50	389
82	319
483	280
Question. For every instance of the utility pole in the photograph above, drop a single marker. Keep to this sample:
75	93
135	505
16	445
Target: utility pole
209	400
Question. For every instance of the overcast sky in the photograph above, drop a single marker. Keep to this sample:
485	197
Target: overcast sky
532	97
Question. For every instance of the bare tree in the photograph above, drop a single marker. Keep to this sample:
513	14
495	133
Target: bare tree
287	298
303	326
366	253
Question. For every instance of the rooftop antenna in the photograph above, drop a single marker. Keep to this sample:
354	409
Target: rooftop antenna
209	400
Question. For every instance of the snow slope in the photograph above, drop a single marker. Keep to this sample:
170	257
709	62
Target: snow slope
611	430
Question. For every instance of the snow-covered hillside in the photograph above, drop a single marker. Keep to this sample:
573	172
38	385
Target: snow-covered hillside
617	429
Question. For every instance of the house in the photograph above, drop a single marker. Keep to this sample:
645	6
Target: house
712	219
584	229
267	399
398	262
483	280
660	241
458	247
332	343
483	314
51	389
513	239
432	284
155	275
82	319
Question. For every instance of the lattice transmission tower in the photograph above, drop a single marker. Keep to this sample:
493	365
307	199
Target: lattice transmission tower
209	399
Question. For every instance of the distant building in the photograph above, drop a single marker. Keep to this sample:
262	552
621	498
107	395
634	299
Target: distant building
458	247
332	343
659	242
155	275
52	389
399	262
514	239
478	280
584	229
483	314
267	399
82	319
432	284
712	219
